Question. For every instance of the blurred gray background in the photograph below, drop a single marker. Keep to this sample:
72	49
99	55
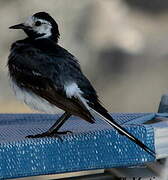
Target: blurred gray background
122	46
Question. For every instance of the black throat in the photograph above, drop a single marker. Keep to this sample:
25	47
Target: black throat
34	35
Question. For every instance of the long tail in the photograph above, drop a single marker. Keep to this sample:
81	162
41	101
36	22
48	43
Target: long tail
121	130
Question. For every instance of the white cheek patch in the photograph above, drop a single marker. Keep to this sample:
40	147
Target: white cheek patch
43	29
72	90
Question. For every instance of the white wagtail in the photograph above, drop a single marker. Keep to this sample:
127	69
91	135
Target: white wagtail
45	76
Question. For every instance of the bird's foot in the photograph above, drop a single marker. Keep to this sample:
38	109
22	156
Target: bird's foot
49	134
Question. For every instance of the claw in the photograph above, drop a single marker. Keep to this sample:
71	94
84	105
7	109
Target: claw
49	134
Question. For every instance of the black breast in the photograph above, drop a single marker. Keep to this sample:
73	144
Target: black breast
21	63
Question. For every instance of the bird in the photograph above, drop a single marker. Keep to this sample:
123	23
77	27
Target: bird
45	76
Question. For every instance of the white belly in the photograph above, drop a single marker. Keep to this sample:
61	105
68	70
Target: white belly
32	100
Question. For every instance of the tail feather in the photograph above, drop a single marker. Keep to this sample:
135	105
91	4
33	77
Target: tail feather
99	110
107	118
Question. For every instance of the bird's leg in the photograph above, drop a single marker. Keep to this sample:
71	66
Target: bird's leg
58	124
53	131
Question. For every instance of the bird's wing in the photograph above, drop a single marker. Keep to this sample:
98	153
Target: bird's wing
46	76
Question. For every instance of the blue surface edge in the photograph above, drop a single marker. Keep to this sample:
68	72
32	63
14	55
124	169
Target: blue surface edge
90	147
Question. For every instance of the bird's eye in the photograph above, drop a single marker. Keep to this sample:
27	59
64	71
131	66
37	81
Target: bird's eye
38	23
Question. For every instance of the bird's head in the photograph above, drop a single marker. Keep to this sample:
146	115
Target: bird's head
40	25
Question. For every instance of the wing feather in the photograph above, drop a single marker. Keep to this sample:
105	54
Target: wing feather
46	75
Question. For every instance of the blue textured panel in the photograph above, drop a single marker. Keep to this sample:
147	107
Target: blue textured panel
91	146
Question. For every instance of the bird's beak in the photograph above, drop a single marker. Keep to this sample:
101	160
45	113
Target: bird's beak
18	26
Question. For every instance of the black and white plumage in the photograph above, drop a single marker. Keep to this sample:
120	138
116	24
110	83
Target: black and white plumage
45	76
